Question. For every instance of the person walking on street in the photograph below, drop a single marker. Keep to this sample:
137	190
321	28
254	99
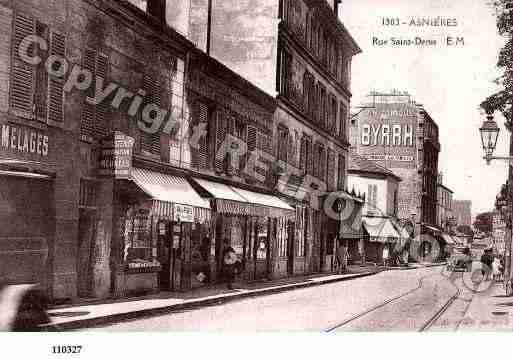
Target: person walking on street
229	264
496	267
486	262
386	255
341	257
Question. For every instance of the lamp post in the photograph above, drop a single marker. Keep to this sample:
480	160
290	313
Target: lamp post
489	133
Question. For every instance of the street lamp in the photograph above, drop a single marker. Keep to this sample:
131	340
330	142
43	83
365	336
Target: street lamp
489	134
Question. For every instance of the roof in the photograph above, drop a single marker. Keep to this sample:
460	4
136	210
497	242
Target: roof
358	163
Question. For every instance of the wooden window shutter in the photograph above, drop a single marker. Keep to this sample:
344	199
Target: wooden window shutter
199	155
56	85
310	153
87	128
221	132
22	74
102	122
41	85
251	143
343	121
150	142
291	148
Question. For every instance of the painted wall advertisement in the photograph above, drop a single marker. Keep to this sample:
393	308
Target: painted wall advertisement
387	135
116	156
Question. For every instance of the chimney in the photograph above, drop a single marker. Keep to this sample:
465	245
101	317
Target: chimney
157	9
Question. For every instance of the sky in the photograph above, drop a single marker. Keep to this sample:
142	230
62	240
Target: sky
450	81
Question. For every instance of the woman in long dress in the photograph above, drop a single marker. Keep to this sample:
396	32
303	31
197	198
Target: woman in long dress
496	268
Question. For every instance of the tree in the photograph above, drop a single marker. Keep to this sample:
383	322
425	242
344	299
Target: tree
483	222
465	230
502	100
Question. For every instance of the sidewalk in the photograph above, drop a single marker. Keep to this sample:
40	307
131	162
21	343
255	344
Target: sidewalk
94	313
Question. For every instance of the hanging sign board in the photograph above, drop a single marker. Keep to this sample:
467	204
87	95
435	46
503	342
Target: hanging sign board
183	213
116	156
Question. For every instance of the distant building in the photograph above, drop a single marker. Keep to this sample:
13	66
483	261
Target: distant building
399	134
444	215
462	211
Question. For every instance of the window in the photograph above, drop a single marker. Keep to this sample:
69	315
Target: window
343	121
95	118
341	172
322	108
372	199
332	125
321	163
200	151
285	72
330	172
283	142
306	160
33	93
308	93
138	233
150	142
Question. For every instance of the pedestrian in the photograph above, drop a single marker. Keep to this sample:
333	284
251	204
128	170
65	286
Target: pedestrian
502	268
386	255
486	264
496	269
341	257
229	266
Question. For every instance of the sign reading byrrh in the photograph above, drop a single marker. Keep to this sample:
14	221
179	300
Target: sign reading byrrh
116	156
23	140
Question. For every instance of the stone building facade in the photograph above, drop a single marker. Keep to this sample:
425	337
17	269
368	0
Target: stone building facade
123	162
399	134
300	53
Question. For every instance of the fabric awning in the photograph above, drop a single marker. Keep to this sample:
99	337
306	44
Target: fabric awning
348	232
380	229
167	190
234	200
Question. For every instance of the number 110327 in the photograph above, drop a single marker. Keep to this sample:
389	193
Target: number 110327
66	349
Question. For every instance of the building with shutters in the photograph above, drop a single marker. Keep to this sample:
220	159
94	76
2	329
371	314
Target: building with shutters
130	160
498	234
300	53
399	134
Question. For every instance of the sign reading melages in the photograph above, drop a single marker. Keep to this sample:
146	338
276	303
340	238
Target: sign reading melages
24	140
116	156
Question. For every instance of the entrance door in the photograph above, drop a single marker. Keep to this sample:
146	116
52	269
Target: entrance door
261	248
291	230
86	234
185	258
164	255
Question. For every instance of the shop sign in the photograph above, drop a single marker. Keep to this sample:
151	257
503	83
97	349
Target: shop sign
183	213
116	156
24	140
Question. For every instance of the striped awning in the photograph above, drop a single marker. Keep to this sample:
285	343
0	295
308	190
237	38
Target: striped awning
380	229
233	200
167	190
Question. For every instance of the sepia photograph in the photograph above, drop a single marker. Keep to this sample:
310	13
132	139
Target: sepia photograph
263	166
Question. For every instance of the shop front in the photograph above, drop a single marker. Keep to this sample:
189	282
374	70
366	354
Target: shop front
259	227
381	239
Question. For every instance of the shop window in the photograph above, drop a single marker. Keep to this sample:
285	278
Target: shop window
138	237
281	237
237	235
262	241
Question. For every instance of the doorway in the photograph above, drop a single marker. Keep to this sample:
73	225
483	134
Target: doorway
86	234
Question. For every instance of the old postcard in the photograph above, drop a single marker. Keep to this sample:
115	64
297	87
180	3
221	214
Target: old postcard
322	166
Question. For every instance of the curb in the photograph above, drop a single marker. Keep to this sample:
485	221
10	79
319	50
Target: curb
120	317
